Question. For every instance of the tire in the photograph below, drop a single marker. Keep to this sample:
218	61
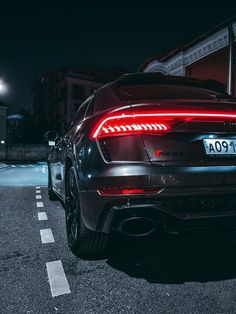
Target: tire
83	243
51	194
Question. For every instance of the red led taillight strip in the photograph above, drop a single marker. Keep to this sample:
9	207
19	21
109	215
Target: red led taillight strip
133	128
127	124
147	123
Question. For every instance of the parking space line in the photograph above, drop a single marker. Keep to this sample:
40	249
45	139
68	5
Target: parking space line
39	204
42	216
38	197
46	236
57	278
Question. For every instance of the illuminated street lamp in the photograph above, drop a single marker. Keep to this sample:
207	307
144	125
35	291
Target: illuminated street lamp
3	87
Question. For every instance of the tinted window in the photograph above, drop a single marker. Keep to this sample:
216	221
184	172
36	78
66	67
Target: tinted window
161	79
141	92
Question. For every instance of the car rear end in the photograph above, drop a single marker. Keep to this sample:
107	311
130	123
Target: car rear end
167	159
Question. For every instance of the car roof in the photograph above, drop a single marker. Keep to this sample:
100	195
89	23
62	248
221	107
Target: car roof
160	78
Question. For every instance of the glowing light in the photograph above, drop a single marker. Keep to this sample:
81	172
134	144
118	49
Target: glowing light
3	87
150	122
114	191
128	124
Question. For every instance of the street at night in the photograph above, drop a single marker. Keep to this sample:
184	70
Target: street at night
118	157
191	274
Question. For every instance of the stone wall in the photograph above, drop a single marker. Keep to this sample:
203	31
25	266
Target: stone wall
27	152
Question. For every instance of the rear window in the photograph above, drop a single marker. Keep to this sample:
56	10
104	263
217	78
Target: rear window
162	91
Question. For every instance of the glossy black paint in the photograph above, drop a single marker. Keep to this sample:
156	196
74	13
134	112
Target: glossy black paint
181	170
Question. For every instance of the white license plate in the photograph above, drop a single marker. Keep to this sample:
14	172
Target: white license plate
223	147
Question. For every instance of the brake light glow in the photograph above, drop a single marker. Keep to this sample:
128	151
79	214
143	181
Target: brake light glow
148	123
128	124
114	191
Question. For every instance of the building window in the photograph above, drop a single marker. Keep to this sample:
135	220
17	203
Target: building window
78	92
64	92
90	108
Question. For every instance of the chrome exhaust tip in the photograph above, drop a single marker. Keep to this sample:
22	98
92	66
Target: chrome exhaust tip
137	226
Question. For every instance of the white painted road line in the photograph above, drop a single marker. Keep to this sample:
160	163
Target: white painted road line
57	278
46	236
39	204
38	191
38	197
37	187
13	166
42	216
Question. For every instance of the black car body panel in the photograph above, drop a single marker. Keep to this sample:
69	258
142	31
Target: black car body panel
186	188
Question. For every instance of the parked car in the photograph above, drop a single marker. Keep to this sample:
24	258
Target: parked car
144	153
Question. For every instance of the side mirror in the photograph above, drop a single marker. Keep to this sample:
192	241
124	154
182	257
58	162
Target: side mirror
51	136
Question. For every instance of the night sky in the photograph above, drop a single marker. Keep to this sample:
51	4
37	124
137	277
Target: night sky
40	36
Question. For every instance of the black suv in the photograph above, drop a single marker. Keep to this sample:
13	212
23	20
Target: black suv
144	152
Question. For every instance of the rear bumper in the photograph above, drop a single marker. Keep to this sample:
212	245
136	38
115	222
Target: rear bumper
136	175
169	222
190	196
172	213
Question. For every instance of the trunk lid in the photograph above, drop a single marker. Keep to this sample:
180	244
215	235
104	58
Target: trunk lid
189	122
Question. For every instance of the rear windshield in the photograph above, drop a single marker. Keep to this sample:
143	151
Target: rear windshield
162	91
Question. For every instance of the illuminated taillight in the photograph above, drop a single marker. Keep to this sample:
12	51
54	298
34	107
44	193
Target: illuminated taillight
150	122
114	191
128	124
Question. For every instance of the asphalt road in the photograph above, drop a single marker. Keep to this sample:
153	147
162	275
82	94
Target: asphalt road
194	273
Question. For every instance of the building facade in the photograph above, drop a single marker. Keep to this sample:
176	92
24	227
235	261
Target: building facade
206	57
58	94
3	119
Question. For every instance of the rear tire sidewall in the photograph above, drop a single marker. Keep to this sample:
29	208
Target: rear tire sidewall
78	243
